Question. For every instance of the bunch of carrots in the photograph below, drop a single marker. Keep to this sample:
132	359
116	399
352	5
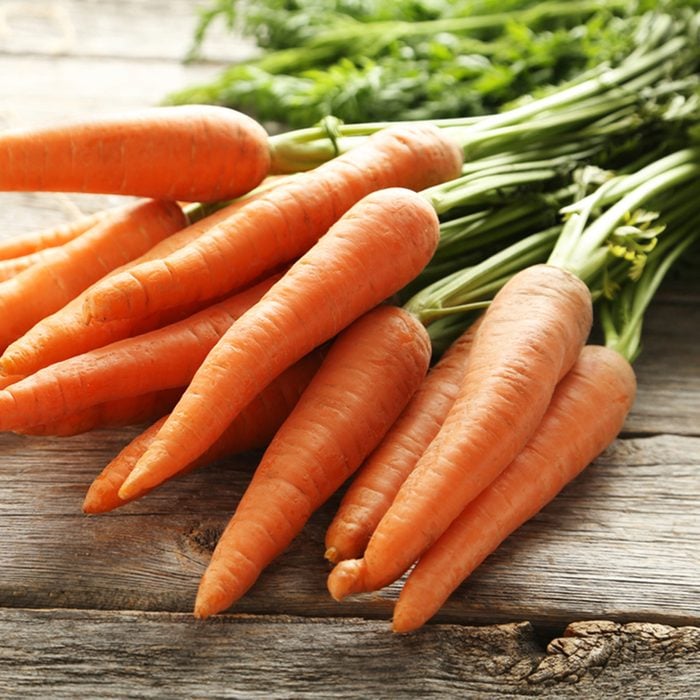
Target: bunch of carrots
257	315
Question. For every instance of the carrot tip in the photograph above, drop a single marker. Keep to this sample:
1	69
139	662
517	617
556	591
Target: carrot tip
346	579
332	555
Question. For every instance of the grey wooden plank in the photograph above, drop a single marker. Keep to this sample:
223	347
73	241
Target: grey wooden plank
131	29
69	654
622	541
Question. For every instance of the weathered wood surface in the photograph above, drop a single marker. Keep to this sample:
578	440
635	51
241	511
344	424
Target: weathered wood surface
622	542
162	655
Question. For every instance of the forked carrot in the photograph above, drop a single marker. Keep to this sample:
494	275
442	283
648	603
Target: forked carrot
161	359
369	254
64	333
190	153
253	429
529	338
279	226
46	287
587	411
378	480
130	410
369	374
33	242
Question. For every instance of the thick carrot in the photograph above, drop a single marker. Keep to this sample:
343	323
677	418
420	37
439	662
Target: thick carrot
378	480
46	287
28	243
65	333
161	359
190	153
129	410
587	411
370	253
253	429
371	371
281	225
530	336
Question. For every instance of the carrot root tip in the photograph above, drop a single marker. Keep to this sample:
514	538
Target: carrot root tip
332	555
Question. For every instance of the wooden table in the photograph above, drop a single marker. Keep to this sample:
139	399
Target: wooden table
598	595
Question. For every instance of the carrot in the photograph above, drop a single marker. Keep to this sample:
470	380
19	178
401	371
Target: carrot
587	411
279	226
7	379
35	241
65	334
161	359
370	253
530	336
44	288
371	371
374	487
129	410
188	153
13	266
253	429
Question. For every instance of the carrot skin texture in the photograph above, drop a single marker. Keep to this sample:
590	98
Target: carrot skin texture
164	358
369	374
529	337
345	274
587	412
12	267
190	153
253	429
378	480
64	333
281	225
35	241
130	410
44	288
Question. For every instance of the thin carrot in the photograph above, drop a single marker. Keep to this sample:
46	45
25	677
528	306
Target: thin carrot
279	226
378	480
13	266
191	153
530	336
35	241
161	359
370	253
46	287
587	411
130	410
253	429
64	333
369	374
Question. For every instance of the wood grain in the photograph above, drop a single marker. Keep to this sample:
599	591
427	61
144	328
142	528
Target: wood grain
620	542
79	654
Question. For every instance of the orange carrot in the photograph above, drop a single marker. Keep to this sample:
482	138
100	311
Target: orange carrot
530	336
374	487
370	253
28	243
44	288
7	379
65	334
371	371
279	226
587	411
253	429
129	410
190	153
13	266
161	359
